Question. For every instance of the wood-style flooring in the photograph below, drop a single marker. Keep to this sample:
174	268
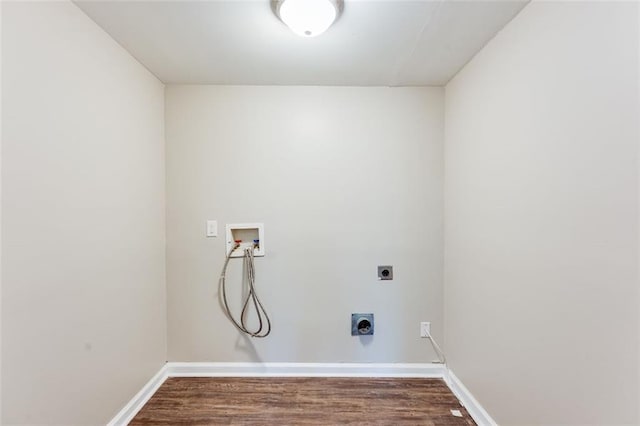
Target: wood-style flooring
302	401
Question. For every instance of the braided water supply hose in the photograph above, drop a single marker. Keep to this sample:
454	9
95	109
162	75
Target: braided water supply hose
264	322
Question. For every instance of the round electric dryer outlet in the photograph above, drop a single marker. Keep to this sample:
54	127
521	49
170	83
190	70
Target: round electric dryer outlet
385	272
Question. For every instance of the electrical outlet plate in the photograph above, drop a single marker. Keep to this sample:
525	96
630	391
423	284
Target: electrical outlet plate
425	329
385	272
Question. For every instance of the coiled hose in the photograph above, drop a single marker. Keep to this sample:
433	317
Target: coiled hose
264	322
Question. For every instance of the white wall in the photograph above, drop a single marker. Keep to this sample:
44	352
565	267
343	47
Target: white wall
344	179
0	214
83	277
541	217
638	153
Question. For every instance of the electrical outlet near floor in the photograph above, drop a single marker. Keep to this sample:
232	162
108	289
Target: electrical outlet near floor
425	329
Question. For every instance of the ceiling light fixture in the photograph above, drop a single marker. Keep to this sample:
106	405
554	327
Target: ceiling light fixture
308	18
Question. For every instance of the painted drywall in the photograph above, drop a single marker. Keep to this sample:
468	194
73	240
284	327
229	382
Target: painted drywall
0	214
541	217
83	277
344	179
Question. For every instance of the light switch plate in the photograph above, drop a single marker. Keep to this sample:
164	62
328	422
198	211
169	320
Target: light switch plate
212	228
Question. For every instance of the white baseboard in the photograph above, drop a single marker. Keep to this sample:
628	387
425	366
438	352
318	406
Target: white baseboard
130	410
479	414
287	369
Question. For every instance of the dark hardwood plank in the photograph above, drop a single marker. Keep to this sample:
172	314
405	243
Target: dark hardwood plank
302	401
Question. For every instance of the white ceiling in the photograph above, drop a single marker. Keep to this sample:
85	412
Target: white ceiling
373	42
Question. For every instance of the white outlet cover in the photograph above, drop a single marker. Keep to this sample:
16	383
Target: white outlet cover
425	329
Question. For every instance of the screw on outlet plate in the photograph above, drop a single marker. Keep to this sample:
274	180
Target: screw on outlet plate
385	272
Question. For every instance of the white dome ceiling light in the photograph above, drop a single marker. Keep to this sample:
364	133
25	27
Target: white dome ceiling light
308	18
